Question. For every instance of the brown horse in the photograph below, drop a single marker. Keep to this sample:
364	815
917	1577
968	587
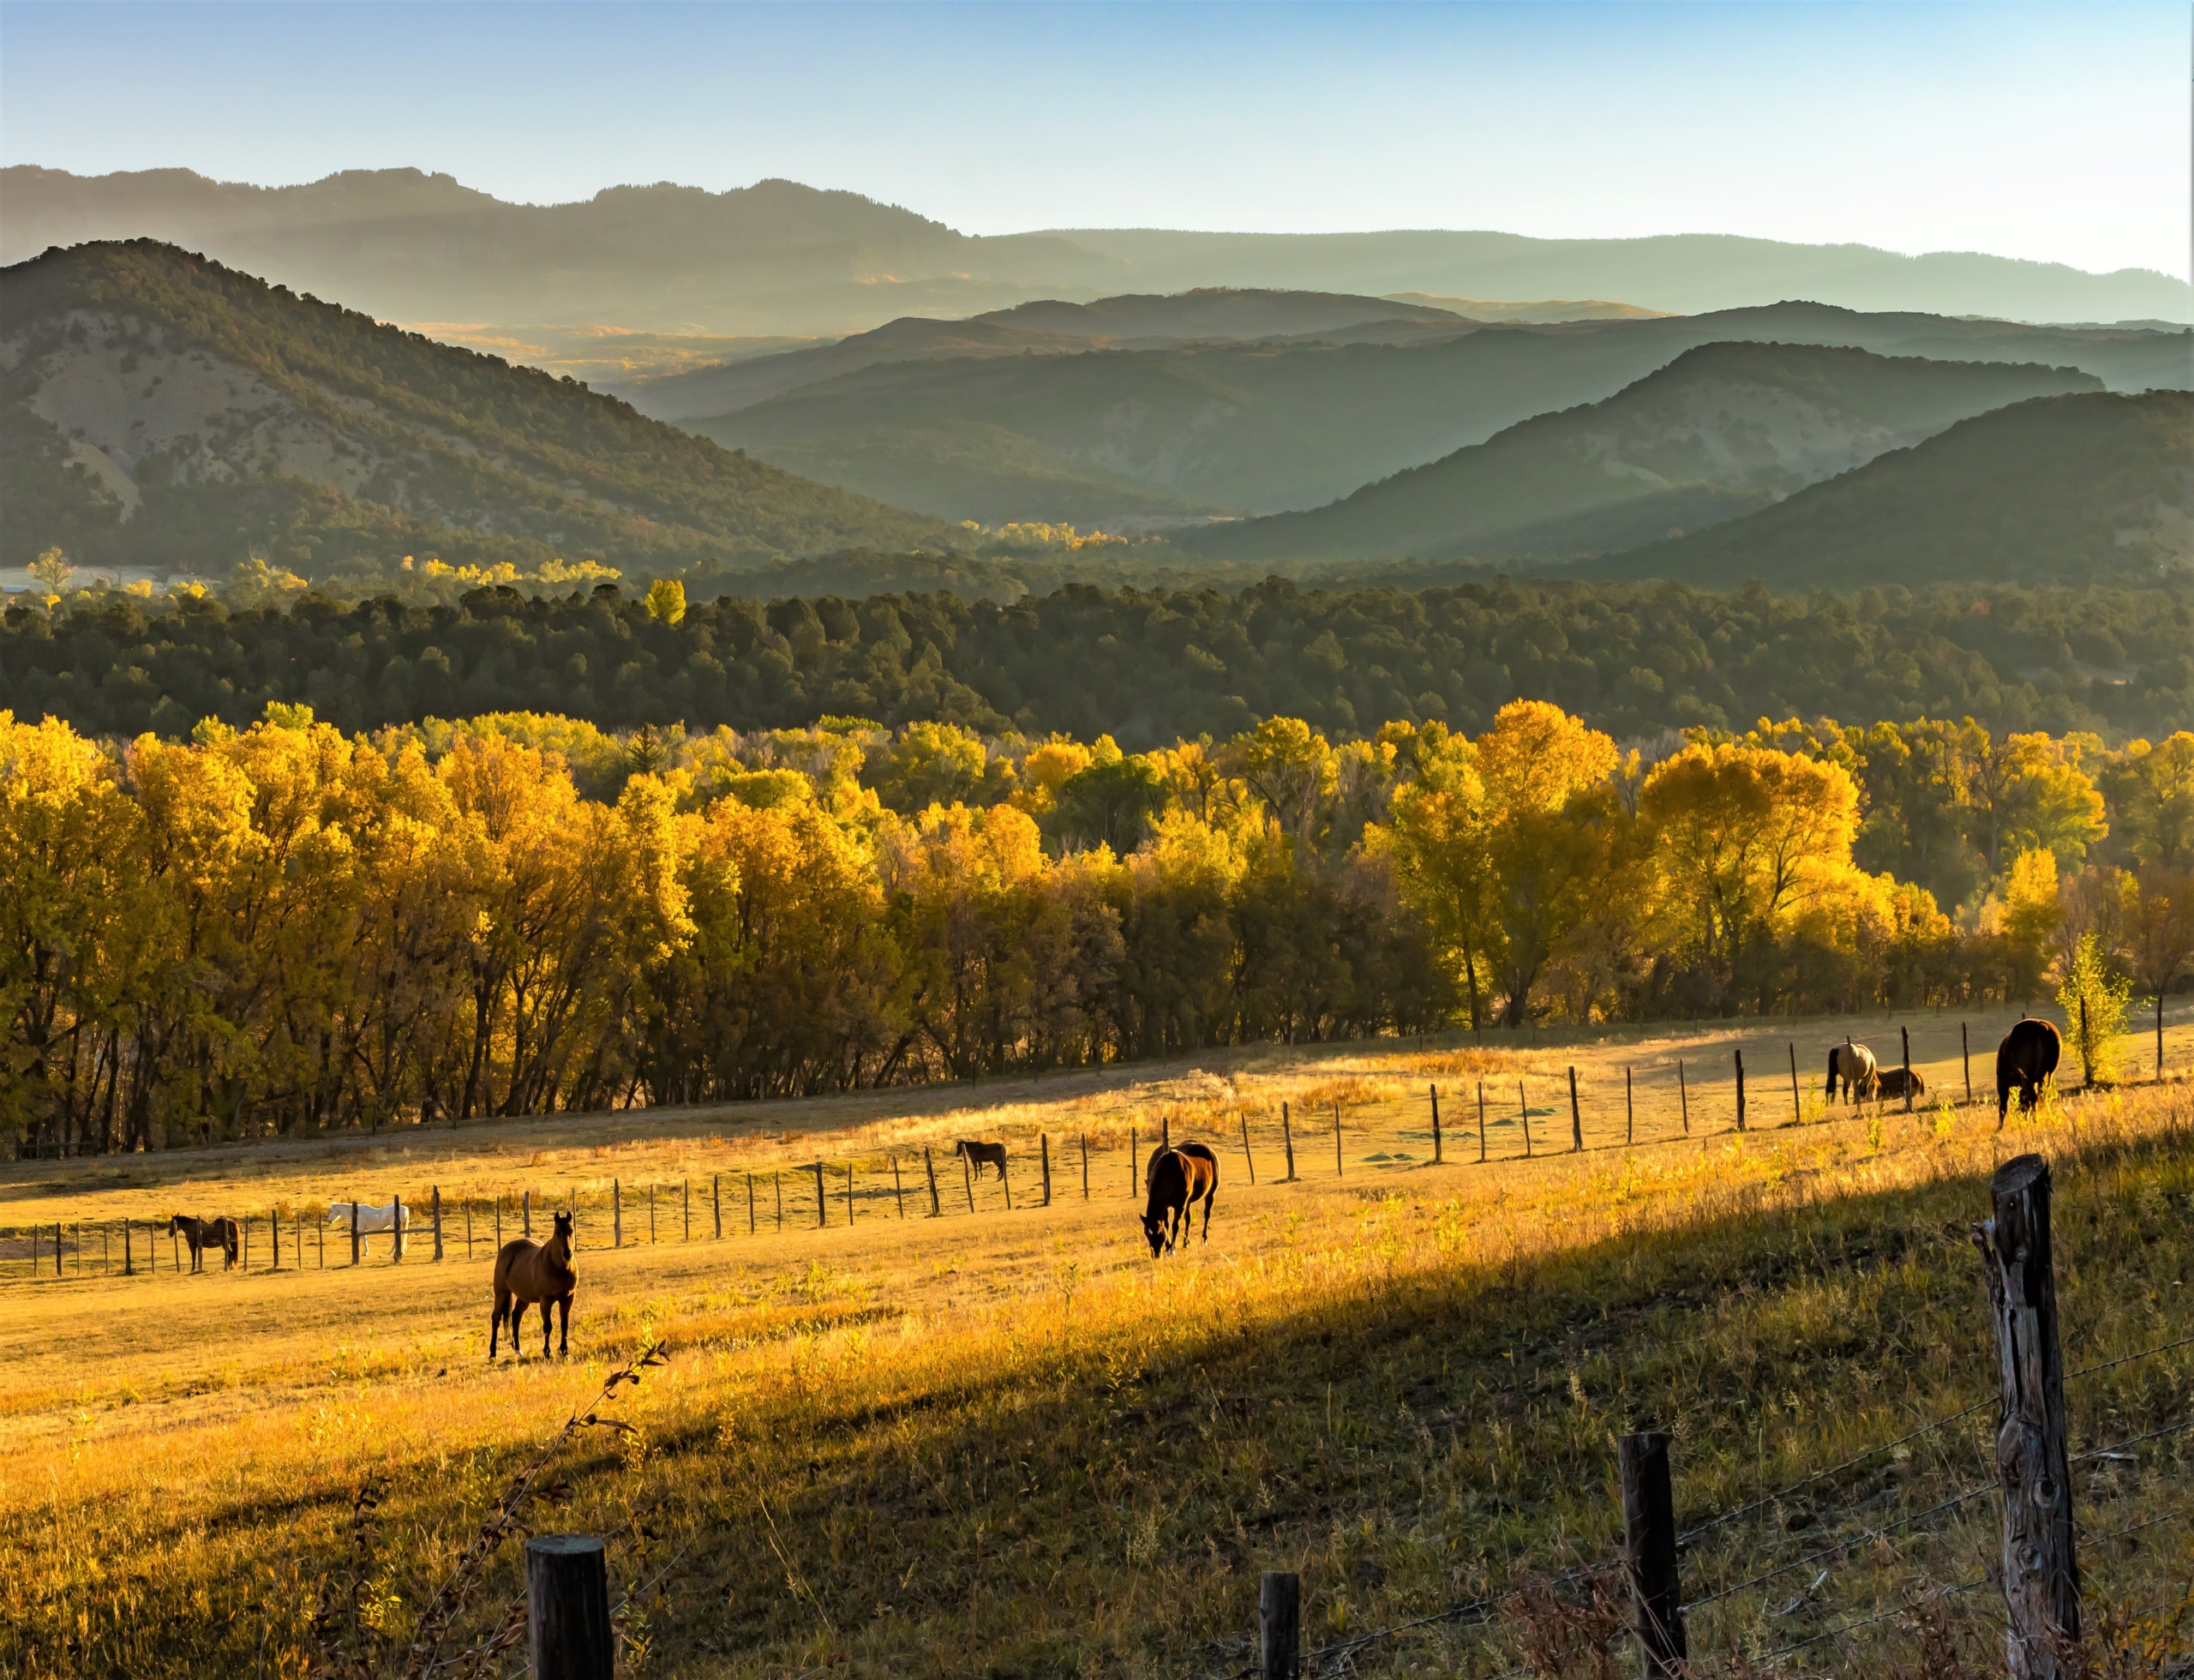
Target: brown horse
204	1234
1891	1086
527	1273
982	1155
2026	1059
1178	1178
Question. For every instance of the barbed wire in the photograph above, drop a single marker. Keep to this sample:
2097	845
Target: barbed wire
1842	1546
2145	1353
2135	1441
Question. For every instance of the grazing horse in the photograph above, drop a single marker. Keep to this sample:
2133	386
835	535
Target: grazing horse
1178	1178
204	1234
1853	1064
982	1154
394	1220
1893	1081
2027	1057
528	1273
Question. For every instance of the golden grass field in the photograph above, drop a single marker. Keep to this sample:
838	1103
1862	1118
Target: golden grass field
1011	1443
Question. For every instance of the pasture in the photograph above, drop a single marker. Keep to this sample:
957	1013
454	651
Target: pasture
1006	1442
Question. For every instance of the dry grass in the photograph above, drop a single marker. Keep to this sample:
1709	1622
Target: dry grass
1013	1445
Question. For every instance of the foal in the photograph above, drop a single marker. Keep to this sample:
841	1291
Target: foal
527	1273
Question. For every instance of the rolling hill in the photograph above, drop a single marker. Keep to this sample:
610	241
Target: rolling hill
2075	489
1120	436
157	407
1722	430
782	258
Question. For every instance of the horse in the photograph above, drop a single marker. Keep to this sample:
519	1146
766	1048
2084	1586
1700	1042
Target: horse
2027	1057
982	1154
395	1219
1893	1081
528	1273
1178	1178
204	1234
1853	1064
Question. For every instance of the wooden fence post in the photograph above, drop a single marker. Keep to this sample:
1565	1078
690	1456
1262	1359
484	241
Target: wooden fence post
1683	1095
716	1204
1135	1145
175	1255
354	1227
686	1208
1085	1165
1524	1108
436	1190
568	1608
1481	1122
1338	1169
525	1205
1006	1184
936	1208
468	1230
650	1210
898	1190
1044	1142
1165	1131
1576	1118
968	1179
1435	1089
822	1211
1798	1110
1648	1545
1740	1056
396	1229
247	1244
1965	1056
128	1270
1250	1159
2086	1061
749	1204
1287	1141
1905	1034
1629	1111
1279	1625
777	1184
616	1213
499	1221
2042	1576
2159	1035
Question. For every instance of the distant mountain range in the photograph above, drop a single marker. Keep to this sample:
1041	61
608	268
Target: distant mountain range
1060	429
1722	430
158	408
778	258
2077	490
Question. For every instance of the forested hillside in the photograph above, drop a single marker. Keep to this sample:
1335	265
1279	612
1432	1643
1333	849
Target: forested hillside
161	409
1143	666
1721	431
2058	491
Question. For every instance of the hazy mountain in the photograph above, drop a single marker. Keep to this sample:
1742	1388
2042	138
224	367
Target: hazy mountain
2063	489
1124	435
1048	326
1722	430
1537	313
780	258
156	406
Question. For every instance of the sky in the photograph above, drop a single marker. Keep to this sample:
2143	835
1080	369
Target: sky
2054	132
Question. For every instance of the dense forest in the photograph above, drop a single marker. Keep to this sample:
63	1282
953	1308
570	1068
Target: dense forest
289	928
1146	666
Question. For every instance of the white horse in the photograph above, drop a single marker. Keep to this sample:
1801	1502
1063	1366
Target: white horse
394	1218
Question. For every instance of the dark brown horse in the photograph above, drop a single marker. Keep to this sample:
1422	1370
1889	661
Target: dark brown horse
529	1273
2026	1059
982	1155
1178	1178
204	1234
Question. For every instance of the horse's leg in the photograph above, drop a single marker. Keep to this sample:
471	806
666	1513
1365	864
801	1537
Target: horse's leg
564	1332
1209	1197
517	1320
495	1322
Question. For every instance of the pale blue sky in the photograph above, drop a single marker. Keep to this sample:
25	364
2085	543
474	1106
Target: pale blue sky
2059	132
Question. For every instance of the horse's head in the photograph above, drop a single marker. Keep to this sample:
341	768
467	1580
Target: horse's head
563	1231
1154	1230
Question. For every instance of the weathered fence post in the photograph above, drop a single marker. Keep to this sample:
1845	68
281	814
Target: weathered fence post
1524	1108
1905	1034
2159	1035
1085	1165
568	1608
2042	1576
396	1229
898	1190
1338	1168
1044	1142
1135	1146
1965	1056
1006	1184
936	1208
686	1208
616	1213
499	1221
1649	1547
1683	1095
2087	1059
436	1191
1629	1111
1279	1625
1740	1056
274	1231
1798	1110
716	1204
468	1232
849	1194
1481	1122
749	1204
1247	1157
650	1210
525	1207
1165	1131
354	1227
822	1210
777	1184
127	1268
1435	1089
968	1179
247	1244
1576	1118
1287	1140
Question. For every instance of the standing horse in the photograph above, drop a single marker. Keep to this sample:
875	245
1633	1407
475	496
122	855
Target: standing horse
2026	1059
1178	1178
528	1273
204	1234
1853	1064
394	1220
982	1154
